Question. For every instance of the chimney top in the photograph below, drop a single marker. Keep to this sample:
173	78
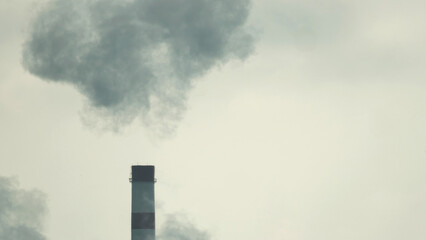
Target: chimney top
143	173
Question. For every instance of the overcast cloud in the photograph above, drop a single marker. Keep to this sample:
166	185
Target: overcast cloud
318	135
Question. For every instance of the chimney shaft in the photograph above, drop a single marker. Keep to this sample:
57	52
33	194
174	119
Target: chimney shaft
143	203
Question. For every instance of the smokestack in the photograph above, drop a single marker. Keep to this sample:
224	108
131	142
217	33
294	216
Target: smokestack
143	203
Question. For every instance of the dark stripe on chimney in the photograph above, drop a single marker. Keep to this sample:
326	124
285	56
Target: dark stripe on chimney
143	220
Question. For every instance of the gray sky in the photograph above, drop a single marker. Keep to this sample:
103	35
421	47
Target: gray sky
318	134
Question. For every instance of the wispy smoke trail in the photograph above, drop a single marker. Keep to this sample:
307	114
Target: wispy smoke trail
136	57
177	227
21	212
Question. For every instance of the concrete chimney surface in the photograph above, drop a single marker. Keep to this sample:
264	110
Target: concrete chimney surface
143	202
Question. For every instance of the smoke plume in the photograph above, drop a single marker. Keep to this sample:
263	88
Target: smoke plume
21	212
135	58
177	227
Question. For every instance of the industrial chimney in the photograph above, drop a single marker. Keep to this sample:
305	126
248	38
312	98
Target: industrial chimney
143	202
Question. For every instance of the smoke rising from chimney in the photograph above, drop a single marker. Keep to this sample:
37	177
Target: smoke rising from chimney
137	57
178	227
21	212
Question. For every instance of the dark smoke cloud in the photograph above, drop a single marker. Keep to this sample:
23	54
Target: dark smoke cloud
135	58
21	212
178	227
